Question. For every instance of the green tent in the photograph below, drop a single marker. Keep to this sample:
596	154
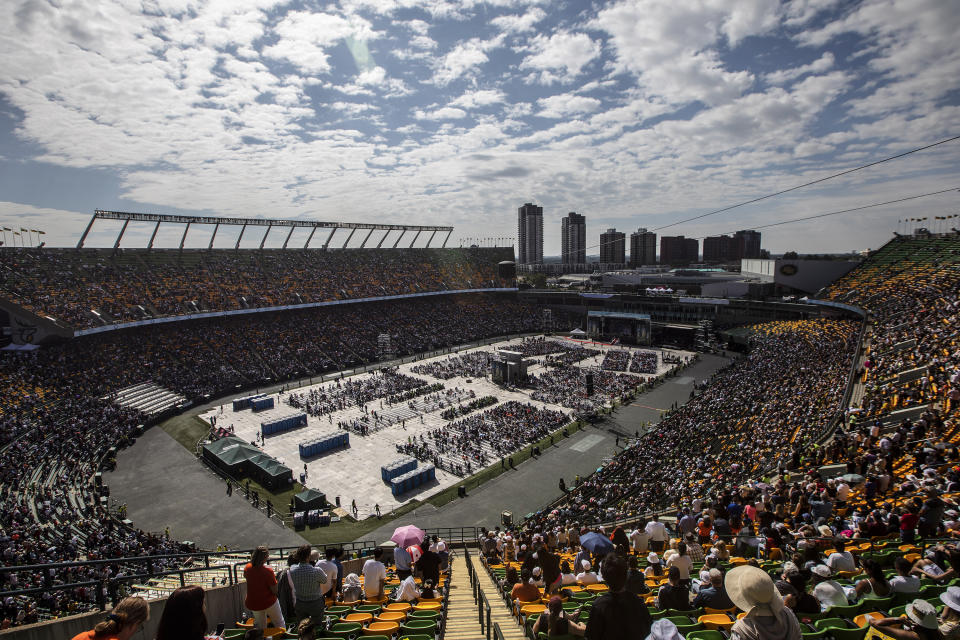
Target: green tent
239	459
309	499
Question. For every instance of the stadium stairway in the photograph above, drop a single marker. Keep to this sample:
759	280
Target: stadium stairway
462	614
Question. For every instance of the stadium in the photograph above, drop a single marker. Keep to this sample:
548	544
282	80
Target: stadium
327	396
479	320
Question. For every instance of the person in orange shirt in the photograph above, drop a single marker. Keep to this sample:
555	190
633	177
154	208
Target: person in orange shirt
126	619
262	590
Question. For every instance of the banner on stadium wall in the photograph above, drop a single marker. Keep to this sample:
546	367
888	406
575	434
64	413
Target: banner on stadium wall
29	329
286	307
704	301
837	305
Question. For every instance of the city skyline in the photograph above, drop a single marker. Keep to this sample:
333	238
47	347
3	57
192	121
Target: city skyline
634	113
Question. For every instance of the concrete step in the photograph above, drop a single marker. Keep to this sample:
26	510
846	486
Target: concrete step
499	611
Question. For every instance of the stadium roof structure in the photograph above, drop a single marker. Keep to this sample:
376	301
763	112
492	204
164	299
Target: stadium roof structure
159	219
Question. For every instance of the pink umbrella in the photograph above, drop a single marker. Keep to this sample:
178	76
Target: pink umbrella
407	535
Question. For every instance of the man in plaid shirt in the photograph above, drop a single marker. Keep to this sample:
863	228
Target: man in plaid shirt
306	581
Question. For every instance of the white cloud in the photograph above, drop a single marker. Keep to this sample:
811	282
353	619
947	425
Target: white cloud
479	98
423	42
673	47
444	113
565	104
419	27
913	49
562	52
463	58
353	108
783	76
184	110
305	38
519	23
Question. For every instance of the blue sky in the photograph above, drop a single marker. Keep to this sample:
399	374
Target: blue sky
635	113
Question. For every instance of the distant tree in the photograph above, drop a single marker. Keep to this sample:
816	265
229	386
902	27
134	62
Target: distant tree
764	254
790	255
537	280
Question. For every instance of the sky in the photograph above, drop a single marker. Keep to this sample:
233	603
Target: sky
636	113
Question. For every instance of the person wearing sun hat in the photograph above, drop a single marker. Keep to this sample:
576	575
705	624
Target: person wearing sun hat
950	616
664	629
654	568
921	623
828	592
752	590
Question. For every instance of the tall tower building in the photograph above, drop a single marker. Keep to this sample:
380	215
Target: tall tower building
573	239
719	249
746	244
678	251
530	234
643	248
613	247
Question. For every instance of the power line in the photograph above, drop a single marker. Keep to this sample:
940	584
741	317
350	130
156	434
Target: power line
835	213
841	211
807	184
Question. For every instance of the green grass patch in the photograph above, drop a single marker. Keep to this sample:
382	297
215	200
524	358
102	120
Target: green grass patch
187	430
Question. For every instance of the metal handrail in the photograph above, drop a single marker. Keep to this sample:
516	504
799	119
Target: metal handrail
454	534
132	578
479	598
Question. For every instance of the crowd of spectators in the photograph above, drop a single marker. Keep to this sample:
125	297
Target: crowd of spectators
71	284
910	289
467	445
570	354
343	394
783	392
57	429
468	365
616	360
711	456
644	362
566	385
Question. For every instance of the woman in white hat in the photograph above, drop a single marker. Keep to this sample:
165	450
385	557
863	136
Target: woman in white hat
664	629
950	616
654	567
753	591
921	623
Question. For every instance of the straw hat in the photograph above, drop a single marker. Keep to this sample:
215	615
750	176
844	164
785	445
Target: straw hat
951	598
825	531
923	613
653	558
753	591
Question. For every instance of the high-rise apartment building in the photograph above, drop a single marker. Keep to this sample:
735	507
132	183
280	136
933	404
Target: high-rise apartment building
678	251
746	244
530	234
613	247
573	239
643	248
718	249
743	244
